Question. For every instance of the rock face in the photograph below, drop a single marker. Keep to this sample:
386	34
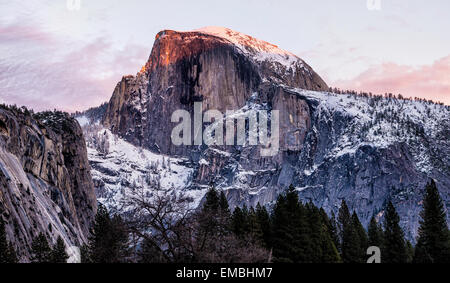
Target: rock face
218	67
45	181
367	150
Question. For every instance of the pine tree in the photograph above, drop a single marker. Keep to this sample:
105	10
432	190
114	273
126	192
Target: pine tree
11	255
7	252
3	243
330	249
376	235
394	241
40	250
254	229
290	236
59	254
212	200
350	244
330	253
433	245
149	253
120	239
281	232
109	239
333	230
315	232
223	204
224	213
85	256
100	237
263	218
320	226
363	241
238	222
409	252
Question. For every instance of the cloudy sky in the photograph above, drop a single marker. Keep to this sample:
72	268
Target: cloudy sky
55	57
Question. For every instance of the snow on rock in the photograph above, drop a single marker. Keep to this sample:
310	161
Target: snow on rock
120	169
258	49
380	123
82	120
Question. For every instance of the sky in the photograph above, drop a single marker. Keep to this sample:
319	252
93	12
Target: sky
57	55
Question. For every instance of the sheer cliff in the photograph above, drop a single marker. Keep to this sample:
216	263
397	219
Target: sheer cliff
45	180
365	149
218	67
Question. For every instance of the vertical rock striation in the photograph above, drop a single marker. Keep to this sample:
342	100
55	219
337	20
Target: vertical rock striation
45	181
364	149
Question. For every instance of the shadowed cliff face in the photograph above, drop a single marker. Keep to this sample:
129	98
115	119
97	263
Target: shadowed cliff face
188	67
366	150
45	182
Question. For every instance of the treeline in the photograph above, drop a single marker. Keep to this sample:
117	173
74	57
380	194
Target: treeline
381	96
41	251
293	232
56	120
163	229
7	251
23	110
93	113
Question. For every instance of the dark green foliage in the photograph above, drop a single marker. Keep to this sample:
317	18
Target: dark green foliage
222	237
109	240
433	245
7	252
376	236
40	250
212	200
223	203
249	223
84	254
290	235
315	230
350	247
12	255
294	232
394	241
333	229
215	213
363	241
238	220
322	236
59	254
301	233
150	253
254	230
409	252
3	243
263	219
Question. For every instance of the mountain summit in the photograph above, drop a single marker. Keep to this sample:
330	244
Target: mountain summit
175	45
366	149
260	50
217	66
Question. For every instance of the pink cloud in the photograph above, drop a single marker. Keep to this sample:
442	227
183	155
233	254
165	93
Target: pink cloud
44	72
18	32
429	81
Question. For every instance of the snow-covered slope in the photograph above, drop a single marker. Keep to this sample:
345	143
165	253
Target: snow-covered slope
361	148
120	169
383	122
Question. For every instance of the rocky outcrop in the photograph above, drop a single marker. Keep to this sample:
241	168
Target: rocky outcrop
356	149
367	150
220	68
45	181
